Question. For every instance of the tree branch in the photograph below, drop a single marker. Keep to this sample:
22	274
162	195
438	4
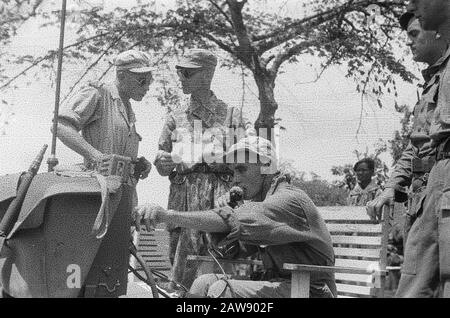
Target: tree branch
19	17
283	56
221	11
91	66
48	56
245	49
275	38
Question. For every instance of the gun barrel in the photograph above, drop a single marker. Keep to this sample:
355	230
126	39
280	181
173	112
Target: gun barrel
12	213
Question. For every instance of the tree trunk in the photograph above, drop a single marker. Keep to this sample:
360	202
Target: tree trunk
268	104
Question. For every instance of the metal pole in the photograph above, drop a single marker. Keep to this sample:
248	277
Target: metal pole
53	161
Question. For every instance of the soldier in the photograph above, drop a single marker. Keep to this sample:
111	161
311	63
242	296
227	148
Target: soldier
103	113
278	220
195	183
426	267
413	167
366	188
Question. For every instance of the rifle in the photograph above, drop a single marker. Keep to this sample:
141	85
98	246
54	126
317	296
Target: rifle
11	215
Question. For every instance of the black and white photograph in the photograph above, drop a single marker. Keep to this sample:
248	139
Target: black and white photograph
225	154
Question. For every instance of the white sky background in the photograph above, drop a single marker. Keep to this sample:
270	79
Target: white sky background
321	118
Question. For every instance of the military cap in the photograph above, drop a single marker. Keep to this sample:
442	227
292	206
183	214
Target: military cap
262	147
405	19
198	58
133	61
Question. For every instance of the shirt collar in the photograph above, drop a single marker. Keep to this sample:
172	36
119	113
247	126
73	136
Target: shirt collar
371	186
443	58
112	87
429	72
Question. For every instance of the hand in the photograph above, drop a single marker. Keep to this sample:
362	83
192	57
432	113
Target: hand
165	160
374	208
143	167
150	214
223	200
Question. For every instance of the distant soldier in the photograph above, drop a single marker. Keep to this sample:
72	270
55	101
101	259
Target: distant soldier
366	188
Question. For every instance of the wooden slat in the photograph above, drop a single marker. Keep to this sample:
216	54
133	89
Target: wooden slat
353	289
356	240
344	213
354	228
300	285
368	279
354	263
357	252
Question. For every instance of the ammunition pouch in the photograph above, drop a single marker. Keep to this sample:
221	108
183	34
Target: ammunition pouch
115	165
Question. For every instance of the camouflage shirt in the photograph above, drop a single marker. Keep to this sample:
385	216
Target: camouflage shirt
195	184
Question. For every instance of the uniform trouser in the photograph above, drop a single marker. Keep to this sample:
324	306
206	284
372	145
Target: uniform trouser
108	274
216	286
427	251
414	208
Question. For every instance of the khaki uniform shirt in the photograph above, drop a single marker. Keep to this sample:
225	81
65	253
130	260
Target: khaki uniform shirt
420	145
359	196
440	125
105	121
287	228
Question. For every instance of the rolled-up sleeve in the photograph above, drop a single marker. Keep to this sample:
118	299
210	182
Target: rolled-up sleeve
82	108
402	174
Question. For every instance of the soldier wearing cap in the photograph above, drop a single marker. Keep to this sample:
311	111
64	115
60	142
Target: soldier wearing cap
426	267
103	114
195	183
413	167
279	221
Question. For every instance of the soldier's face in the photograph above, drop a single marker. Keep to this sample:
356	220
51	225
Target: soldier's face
249	178
194	79
431	13
424	45
136	85
363	173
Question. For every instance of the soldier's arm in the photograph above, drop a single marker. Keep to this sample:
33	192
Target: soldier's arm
163	160
402	174
207	221
70	137
81	110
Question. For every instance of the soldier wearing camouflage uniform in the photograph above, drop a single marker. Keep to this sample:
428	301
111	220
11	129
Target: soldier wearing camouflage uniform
195	184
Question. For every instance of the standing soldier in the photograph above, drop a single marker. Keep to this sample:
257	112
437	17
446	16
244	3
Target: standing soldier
195	183
426	267
413	167
103	114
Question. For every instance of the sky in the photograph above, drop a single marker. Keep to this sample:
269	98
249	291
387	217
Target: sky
321	118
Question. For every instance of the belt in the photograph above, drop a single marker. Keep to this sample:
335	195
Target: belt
204	168
115	165
420	166
443	150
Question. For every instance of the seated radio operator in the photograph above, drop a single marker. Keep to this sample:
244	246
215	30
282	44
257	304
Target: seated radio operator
279	221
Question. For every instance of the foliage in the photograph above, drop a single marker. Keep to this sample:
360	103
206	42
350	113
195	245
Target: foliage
261	42
348	174
401	138
321	192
